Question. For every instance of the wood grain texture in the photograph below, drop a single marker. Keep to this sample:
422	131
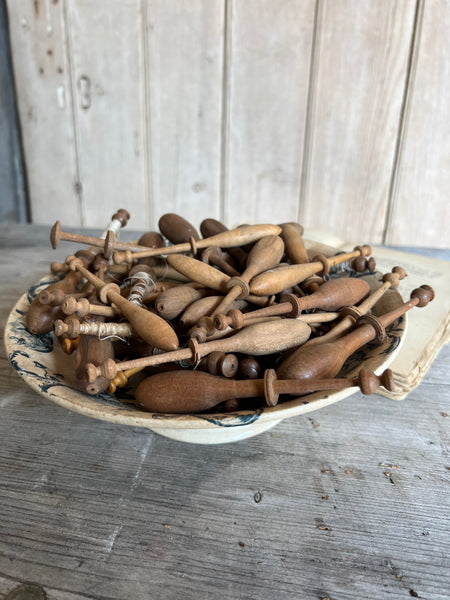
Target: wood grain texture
267	89
184	61
109	107
44	95
347	502
363	53
424	175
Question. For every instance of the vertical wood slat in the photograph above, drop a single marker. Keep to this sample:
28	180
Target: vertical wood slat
109	112
363	56
268	90
185	58
421	210
45	109
13	205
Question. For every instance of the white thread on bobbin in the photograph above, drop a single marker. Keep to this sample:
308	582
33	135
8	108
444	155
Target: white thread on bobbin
166	264
141	283
109	330
115	226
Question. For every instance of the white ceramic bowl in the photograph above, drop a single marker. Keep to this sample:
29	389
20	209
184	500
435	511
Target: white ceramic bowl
50	372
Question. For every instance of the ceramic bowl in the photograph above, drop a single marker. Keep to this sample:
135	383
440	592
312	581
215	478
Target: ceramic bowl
50	372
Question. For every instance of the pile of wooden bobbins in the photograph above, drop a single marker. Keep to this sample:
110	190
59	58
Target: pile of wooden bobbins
223	319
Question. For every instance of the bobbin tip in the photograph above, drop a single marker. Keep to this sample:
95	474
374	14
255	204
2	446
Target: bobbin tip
55	234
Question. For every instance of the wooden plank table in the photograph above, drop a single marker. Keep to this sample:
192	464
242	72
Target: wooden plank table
351	501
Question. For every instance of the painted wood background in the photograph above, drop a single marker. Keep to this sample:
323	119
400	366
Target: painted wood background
330	112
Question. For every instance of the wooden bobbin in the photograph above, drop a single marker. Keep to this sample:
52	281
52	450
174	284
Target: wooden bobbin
214	256
177	229
258	339
193	391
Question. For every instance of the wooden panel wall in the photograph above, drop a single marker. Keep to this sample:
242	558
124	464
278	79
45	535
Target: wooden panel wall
13	206
332	112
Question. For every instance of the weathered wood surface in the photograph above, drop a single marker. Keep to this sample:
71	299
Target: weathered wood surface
356	102
424	174
327	111
349	502
266	89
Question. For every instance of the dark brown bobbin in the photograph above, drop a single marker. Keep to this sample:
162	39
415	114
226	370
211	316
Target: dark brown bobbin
369	382
86	255
204	328
312	284
424	294
219	363
270	395
351	311
249	368
151	239
232	405
394	277
295	303
100	263
52	297
210	253
380	331
325	266
213	255
122	215
176	228
364	250
361	264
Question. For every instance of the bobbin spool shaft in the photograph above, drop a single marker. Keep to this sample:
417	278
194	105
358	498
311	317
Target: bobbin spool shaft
107	240
73	328
208	276
332	296
351	313
326	360
275	281
211	227
149	326
213	255
257	339
192	391
226	239
265	254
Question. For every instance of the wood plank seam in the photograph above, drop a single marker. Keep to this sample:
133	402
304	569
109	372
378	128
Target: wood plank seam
404	118
78	183
225	121
146	101
310	104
